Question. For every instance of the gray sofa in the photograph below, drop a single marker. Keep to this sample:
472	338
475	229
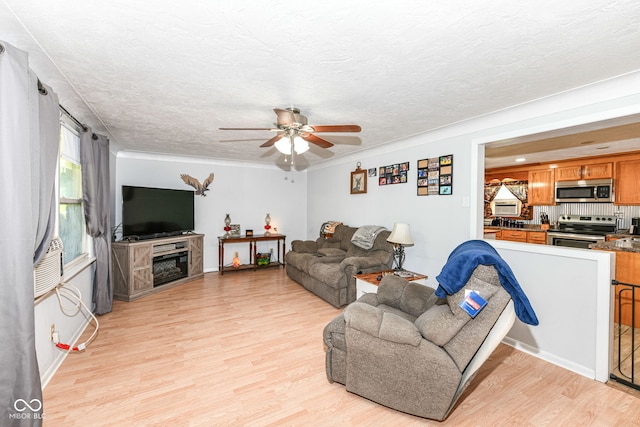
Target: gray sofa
409	350
326	266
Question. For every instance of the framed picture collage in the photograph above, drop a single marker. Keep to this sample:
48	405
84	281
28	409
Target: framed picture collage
393	174
435	176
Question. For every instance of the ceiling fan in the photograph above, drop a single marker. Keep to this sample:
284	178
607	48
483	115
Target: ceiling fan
293	125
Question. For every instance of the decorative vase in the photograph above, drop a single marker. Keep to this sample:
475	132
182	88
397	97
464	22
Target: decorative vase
267	227
227	227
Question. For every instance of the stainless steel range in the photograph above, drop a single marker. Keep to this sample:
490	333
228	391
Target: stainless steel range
579	231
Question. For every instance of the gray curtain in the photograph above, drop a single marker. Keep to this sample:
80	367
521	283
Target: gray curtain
94	158
29	125
45	161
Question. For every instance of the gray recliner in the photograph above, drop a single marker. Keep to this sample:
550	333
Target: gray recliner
411	351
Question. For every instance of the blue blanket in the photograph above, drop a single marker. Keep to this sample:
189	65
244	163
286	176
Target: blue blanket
465	258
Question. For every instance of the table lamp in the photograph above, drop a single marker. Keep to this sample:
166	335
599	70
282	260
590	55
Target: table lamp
400	237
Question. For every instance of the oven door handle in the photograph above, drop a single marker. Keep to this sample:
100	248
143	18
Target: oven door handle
577	236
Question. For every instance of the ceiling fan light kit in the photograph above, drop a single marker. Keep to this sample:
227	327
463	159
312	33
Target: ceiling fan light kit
299	145
294	134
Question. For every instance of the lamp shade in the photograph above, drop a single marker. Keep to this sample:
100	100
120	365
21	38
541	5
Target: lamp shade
400	234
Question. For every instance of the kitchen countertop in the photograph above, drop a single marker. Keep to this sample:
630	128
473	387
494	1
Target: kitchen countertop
625	242
527	227
620	234
628	244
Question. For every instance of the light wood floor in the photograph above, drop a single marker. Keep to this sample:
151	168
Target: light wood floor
245	349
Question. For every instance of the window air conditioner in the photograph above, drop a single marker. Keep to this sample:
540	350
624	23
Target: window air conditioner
47	274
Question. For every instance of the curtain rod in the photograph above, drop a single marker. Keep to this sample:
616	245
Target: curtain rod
43	91
76	121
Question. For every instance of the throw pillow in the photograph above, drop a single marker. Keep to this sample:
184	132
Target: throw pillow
328	228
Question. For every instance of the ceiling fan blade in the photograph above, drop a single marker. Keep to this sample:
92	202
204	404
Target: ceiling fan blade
249	129
314	139
337	128
285	117
272	141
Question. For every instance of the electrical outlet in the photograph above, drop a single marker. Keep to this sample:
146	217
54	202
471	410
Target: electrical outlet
52	331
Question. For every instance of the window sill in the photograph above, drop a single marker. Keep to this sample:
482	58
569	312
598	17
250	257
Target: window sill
76	267
72	269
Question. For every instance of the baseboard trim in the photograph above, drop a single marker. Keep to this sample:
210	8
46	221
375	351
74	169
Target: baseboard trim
548	357
53	368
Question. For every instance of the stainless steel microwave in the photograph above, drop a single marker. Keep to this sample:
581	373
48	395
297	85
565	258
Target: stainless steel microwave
584	191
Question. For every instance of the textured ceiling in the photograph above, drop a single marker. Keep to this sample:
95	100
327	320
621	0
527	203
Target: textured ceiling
162	77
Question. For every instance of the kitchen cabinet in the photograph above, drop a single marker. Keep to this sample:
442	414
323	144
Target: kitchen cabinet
627	271
627	184
592	171
541	187
537	237
626	308
513	235
522	236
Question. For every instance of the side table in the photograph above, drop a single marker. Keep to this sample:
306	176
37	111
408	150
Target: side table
368	282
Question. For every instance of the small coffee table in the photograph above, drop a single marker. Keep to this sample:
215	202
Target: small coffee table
368	282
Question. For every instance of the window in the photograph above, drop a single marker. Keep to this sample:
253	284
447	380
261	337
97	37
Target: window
71	225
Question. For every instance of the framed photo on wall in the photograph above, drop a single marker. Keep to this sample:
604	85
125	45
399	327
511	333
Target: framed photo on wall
358	181
393	174
435	176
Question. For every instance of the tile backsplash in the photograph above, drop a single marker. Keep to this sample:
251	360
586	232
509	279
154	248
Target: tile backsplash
624	213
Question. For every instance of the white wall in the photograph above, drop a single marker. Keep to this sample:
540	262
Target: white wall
70	326
572	295
246	191
437	223
574	338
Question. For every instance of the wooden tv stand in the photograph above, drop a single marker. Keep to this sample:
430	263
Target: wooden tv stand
144	267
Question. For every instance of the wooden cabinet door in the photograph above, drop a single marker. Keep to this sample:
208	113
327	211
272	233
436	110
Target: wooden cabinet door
627	271
594	171
597	171
120	269
541	187
514	235
537	237
196	255
141	268
569	173
627	185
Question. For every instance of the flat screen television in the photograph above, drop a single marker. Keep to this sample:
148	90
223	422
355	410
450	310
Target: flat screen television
156	212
